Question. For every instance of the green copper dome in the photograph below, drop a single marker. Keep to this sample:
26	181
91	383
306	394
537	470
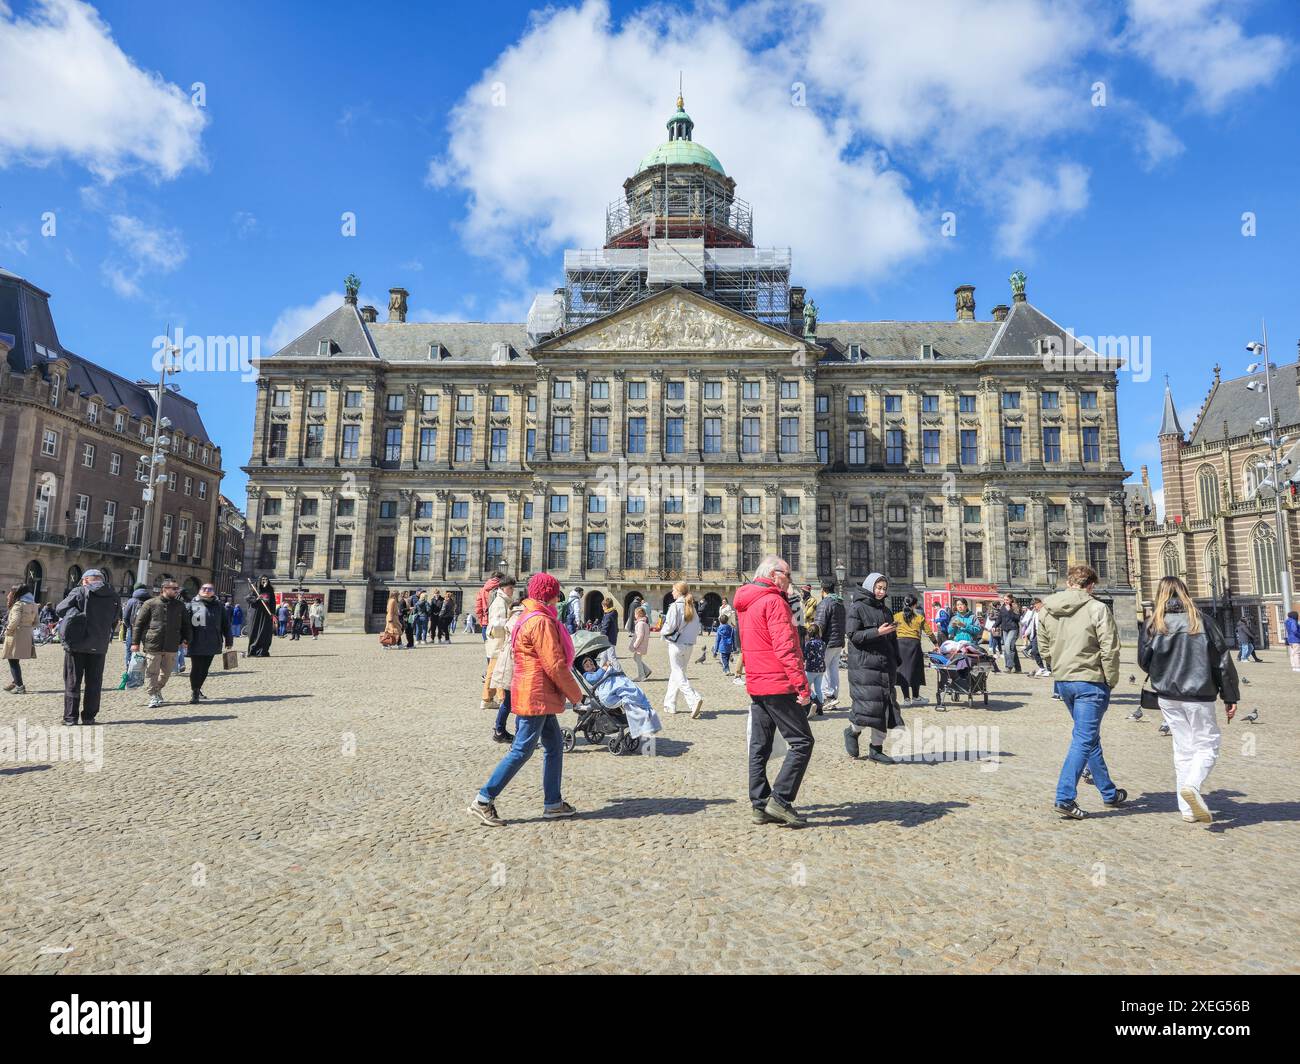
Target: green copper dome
679	149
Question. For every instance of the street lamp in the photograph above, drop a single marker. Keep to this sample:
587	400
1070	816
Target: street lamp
300	571
1274	479
155	475
1052	574
840	573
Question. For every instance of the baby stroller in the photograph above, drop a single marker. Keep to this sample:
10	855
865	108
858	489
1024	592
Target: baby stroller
962	674
597	722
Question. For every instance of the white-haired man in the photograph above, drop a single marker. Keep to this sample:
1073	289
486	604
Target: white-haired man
778	689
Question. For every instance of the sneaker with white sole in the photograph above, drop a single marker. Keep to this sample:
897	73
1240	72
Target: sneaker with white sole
558	812
1200	811
699	708
155	701
486	813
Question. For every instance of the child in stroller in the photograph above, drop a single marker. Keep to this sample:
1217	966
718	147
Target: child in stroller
615	711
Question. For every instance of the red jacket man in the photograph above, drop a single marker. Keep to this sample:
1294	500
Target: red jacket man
484	597
778	687
773	657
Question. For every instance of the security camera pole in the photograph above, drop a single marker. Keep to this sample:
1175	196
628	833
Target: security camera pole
1275	472
156	475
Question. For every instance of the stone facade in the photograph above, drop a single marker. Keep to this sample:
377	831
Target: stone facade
693	440
228	551
73	435
1218	533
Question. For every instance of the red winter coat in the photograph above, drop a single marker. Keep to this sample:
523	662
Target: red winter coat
481	602
773	660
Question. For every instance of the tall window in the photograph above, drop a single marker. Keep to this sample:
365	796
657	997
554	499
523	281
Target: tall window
712	435
464	445
351	441
1264	547
599	435
859	558
557	550
500	444
1018	558
314	445
428	445
560	433
790	551
895	449
930	446
969	446
1098	558
392	445
385	554
457	554
1058	557
1052	444
636	435
277	446
267	551
342	552
81	515
133	525
751	551
974	561
1011	451
595	550
88	455
421	553
109	521
166	545
306	551
857	447
898	555
634	550
934	559
749	435
789	435
1207	490
1092	444
712	554
674	435
823	446
494	552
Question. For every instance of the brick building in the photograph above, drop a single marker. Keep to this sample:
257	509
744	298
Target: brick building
72	436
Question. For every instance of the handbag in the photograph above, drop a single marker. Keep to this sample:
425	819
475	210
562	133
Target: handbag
1148	699
230	659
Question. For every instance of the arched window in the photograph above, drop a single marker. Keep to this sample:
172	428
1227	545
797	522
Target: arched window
1212	576
1265	550
1251	474
1169	560
74	577
33	577
1207	490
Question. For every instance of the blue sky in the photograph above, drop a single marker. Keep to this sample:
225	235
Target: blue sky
474	143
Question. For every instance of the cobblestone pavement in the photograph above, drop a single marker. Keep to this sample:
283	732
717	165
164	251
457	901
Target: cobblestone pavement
310	817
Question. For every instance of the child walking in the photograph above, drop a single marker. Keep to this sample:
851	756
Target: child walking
814	664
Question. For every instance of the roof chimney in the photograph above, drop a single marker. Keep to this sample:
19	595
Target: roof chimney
397	304
1000	312
965	294
369	315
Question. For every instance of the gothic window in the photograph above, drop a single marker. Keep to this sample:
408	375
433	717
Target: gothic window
1207	491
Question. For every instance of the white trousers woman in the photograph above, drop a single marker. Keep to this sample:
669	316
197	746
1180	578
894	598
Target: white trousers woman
679	655
1195	732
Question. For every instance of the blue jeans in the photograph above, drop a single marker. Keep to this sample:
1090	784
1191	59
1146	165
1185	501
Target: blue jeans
1247	649
528	731
503	714
127	635
726	660
1087	704
815	679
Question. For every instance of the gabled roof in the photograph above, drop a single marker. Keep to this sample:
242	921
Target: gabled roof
1233	405
1025	325
25	313
342	328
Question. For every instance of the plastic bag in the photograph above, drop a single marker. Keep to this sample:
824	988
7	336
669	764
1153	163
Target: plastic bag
135	671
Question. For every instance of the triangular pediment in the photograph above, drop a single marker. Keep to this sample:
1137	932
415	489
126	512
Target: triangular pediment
678	321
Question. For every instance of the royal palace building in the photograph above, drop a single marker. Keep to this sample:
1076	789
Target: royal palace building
1219	529
676	411
75	440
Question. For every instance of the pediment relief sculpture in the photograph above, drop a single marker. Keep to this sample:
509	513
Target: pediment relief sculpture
676	325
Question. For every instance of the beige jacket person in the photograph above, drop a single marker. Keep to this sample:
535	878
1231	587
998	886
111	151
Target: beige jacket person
1078	638
19	645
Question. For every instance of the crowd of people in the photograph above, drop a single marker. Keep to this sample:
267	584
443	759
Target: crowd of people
786	649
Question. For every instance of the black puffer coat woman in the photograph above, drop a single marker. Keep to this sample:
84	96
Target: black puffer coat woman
873	668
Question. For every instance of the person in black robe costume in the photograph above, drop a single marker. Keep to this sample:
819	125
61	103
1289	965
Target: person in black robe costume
261	625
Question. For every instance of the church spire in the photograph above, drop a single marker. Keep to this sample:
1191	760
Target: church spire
1169	425
680	125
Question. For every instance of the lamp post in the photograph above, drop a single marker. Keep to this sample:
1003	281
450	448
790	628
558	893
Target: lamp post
300	571
155	476
1275	467
840	572
1052	574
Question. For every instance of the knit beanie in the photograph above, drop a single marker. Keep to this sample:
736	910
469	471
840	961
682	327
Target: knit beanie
543	587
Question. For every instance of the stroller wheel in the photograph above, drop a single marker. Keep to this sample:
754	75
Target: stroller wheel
570	740
630	745
593	738
615	744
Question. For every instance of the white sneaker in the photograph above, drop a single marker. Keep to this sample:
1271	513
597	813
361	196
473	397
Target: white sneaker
738	682
155	701
1200	811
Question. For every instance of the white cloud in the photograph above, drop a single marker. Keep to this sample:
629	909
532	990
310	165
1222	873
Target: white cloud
1157	143
294	321
1158	503
1035	202
143	249
1199	42
68	90
554	126
11	241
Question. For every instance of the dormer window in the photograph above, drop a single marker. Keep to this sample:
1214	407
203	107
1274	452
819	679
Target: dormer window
92	413
1045	346
927	351
119	422
500	351
323	348
855	352
437	352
